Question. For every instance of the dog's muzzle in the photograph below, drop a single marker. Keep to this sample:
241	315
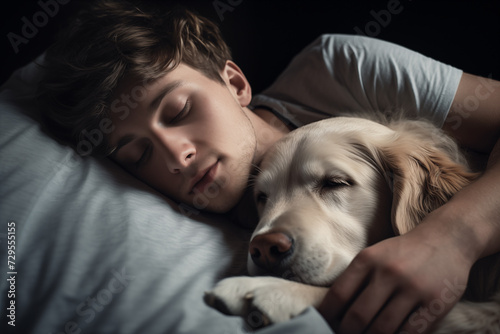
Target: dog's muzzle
271	251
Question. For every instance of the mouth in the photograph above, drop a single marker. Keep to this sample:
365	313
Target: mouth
280	271
204	178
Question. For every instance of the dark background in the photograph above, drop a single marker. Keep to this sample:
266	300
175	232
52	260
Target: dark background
265	35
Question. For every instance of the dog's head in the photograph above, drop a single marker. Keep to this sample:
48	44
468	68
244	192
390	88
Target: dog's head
329	189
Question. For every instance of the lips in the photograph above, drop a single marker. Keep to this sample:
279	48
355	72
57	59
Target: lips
203	179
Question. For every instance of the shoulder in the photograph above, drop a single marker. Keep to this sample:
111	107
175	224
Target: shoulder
349	54
352	45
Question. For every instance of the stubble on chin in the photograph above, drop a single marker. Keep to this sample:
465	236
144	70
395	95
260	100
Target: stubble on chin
231	186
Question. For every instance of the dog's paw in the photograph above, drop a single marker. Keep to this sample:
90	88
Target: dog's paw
262	300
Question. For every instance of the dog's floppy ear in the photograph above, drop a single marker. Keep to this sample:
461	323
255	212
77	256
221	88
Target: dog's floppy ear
426	169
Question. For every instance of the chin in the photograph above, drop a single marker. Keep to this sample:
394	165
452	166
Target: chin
216	201
223	204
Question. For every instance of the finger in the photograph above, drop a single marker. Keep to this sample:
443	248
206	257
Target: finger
420	321
344	290
393	315
365	308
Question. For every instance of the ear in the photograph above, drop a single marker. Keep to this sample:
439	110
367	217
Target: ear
426	169
237	82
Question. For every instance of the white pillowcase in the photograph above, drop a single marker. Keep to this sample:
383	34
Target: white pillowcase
98	251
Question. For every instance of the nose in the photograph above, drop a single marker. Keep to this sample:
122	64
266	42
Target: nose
179	151
180	161
268	250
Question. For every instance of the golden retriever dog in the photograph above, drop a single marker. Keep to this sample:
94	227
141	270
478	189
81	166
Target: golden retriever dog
331	188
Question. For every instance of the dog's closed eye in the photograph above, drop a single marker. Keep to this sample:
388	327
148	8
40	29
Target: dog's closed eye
332	183
261	198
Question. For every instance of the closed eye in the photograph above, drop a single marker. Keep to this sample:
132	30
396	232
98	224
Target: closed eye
144	157
182	113
333	183
261	198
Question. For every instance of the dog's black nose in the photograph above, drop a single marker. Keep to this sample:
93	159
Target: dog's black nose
270	249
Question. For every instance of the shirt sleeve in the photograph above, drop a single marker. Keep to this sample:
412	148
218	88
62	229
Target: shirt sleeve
339	74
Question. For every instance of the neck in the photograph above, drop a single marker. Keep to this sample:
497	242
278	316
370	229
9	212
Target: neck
245	213
268	129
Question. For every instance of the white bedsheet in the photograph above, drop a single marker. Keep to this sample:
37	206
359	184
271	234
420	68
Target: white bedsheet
96	251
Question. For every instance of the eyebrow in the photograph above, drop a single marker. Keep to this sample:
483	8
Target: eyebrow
152	106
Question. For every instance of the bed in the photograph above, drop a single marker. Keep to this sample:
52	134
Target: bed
97	251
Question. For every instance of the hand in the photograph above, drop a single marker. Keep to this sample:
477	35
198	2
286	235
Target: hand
405	283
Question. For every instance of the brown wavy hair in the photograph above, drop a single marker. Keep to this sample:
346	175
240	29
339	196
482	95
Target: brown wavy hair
113	40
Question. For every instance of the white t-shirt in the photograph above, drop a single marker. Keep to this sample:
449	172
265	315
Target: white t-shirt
343	74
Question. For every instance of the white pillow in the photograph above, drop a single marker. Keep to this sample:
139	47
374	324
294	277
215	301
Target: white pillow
97	251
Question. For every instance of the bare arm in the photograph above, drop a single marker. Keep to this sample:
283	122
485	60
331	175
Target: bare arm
387	282
474	120
474	117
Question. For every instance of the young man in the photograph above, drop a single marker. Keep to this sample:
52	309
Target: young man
160	95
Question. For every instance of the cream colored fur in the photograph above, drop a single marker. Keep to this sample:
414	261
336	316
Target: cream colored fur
333	186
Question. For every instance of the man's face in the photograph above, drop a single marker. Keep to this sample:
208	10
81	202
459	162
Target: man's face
187	136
